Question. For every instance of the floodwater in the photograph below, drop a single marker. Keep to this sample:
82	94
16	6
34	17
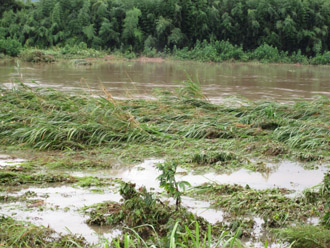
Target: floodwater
133	79
59	207
285	174
6	161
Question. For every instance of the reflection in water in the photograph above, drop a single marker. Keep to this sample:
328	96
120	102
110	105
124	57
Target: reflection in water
138	79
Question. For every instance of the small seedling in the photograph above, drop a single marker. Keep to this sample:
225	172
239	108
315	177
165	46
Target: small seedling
168	182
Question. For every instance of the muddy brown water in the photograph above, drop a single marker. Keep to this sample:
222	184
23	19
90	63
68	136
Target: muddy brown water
129	79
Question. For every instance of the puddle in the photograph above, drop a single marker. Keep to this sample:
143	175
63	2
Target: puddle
285	174
144	174
59	210
202	209
6	160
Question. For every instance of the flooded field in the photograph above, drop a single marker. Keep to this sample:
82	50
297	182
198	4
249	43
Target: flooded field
283	83
97	168
60	207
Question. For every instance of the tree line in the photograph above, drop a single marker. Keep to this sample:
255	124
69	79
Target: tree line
136	25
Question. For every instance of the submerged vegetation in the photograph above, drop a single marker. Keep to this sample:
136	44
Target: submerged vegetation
20	234
67	131
272	31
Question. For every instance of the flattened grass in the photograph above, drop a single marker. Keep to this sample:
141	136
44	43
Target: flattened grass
48	119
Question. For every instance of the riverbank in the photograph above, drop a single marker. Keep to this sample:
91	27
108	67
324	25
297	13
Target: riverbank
85	146
203	52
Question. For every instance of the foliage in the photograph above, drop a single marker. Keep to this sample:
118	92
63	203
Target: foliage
168	182
10	47
267	53
142	212
323	59
207	30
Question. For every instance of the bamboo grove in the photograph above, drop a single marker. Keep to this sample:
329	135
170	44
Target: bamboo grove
136	25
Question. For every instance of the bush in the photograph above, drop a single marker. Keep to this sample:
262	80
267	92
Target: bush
227	51
10	47
214	51
266	53
323	59
297	57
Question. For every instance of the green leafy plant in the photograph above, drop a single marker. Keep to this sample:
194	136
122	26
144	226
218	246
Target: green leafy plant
10	47
168	181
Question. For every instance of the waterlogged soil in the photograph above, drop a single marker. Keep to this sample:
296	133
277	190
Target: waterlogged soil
60	206
138	79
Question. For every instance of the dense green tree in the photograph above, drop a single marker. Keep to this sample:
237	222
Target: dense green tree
289	25
7	5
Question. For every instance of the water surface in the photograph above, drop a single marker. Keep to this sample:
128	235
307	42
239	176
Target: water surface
127	79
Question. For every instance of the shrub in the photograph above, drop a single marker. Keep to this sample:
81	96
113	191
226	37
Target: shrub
297	57
323	59
228	51
266	53
10	47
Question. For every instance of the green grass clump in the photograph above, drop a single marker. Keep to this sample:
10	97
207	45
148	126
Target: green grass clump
307	236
